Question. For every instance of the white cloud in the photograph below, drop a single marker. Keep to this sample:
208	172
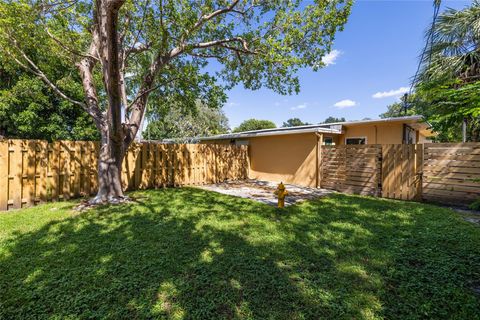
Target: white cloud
345	104
277	104
233	104
391	93
300	106
331	57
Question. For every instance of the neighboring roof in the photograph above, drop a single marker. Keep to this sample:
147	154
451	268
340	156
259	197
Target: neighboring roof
272	132
333	128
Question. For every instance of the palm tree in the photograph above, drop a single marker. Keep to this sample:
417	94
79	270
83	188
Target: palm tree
450	70
453	46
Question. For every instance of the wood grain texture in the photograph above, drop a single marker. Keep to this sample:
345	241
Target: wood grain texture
34	171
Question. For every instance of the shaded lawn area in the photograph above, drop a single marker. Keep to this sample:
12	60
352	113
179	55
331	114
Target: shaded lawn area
192	254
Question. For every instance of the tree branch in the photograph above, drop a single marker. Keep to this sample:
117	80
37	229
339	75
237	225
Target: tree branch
39	73
223	43
205	18
86	73
137	107
66	48
150	90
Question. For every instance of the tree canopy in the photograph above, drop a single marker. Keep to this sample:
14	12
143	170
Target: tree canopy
446	90
254	124
126	51
397	109
294	122
334	119
183	125
30	110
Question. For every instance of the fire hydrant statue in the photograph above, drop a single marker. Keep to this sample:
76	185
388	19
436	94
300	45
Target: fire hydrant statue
281	192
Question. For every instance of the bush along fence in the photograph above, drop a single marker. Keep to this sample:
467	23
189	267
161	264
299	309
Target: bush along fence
440	172
33	171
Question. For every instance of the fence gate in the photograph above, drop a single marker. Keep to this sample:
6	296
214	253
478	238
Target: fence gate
402	171
352	168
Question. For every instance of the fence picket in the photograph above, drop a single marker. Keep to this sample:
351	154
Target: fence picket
33	171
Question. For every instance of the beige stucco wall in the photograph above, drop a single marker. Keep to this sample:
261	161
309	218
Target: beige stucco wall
288	158
423	139
292	158
390	133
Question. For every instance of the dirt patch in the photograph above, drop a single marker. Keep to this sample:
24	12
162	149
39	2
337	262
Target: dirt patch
263	191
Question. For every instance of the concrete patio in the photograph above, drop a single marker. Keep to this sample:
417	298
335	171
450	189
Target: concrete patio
263	191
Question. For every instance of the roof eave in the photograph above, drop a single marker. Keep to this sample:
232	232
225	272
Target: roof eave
268	133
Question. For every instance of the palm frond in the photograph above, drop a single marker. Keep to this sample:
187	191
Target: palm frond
453	48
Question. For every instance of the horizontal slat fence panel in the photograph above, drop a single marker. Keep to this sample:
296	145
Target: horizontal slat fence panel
33	171
451	172
351	168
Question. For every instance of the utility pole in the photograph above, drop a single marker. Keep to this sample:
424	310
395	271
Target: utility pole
405	104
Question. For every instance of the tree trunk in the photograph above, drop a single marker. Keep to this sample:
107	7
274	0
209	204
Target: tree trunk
110	161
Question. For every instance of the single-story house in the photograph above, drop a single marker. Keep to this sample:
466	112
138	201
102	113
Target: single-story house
290	154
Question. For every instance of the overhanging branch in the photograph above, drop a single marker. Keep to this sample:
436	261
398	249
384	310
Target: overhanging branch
32	67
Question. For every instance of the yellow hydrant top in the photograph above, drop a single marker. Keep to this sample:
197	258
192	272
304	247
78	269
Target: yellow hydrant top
281	192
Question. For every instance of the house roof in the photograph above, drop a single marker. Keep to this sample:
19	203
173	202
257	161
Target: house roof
332	128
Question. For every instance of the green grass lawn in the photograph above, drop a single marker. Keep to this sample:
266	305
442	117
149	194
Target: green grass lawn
192	254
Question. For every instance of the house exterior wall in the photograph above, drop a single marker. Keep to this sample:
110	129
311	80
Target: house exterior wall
423	139
389	133
292	158
288	158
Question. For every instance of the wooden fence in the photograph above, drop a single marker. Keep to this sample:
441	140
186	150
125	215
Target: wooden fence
440	172
351	168
33	171
401	171
451	172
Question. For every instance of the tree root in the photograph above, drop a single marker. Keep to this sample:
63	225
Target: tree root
100	201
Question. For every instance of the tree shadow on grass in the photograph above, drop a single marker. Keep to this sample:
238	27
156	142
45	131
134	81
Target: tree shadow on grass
188	253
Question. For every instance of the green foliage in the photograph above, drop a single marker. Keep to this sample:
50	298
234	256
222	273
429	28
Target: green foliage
30	110
254	124
263	45
333	120
294	122
446	104
447	86
191	254
197	121
397	109
475	205
452	51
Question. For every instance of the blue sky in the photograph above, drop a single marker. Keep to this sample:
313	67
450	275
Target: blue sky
374	59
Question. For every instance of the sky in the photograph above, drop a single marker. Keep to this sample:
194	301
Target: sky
370	67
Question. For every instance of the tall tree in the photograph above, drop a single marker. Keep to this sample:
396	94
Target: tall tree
397	109
294	122
254	124
334	119
447	86
185	125
30	110
126	49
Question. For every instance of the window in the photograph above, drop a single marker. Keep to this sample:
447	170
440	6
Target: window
409	134
360	140
328	141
